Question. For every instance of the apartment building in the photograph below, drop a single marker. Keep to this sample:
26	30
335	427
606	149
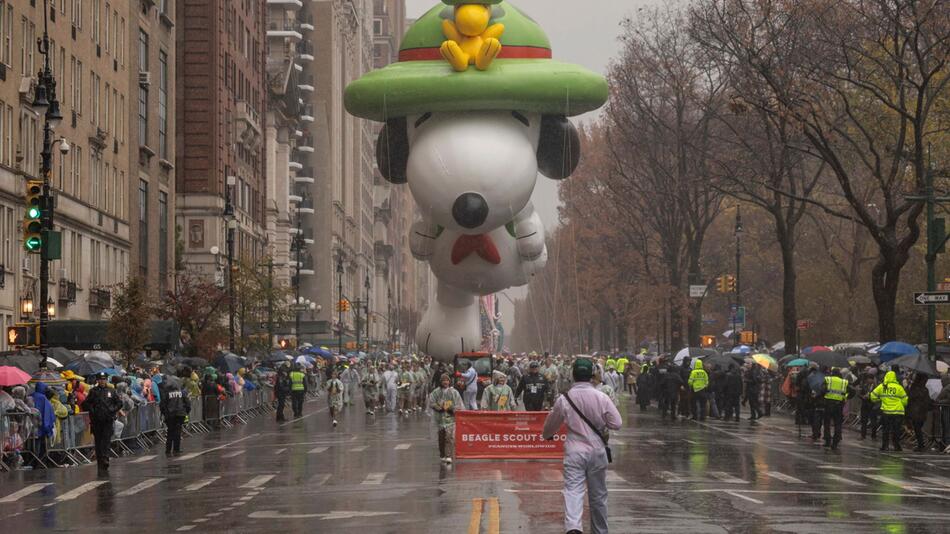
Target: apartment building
220	112
90	60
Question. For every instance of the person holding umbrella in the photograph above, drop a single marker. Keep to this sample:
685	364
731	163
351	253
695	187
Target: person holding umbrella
103	405
893	399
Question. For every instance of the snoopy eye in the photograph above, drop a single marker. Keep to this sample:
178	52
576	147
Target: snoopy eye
422	119
521	118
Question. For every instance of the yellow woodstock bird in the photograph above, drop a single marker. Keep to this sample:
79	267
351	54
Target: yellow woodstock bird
470	38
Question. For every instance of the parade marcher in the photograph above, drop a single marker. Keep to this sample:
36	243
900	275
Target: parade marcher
103	405
175	407
282	390
601	386
699	383
370	385
470	383
645	387
391	384
836	391
335	388
498	397
443	401
351	380
670	382
870	412
588	415
918	407
298	390
534	387
613	378
893	399
753	383
550	373
514	375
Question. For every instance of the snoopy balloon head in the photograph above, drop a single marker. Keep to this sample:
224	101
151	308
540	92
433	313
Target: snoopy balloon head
470	144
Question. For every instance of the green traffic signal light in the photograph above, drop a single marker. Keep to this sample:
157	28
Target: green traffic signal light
33	244
33	213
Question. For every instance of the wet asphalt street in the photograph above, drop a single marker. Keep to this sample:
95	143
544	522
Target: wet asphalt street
378	475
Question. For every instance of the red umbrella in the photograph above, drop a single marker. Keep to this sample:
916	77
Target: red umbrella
11	376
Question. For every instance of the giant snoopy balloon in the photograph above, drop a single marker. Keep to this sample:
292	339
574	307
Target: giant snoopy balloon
474	109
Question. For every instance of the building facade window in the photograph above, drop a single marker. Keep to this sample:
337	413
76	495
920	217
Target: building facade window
162	104
6	31
143	228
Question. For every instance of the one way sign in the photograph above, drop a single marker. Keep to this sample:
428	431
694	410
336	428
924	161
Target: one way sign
935	297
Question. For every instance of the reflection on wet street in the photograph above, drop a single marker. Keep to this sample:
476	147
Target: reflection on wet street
379	474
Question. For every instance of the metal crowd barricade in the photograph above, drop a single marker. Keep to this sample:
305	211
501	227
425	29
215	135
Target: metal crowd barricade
195	424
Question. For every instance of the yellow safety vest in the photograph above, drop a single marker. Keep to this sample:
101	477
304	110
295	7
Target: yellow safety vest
296	381
836	388
892	397
698	379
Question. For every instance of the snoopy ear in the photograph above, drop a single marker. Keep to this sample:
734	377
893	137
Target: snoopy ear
392	151
559	147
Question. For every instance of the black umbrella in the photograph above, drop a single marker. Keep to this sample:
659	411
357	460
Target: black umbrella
62	355
722	361
828	358
27	361
854	351
228	362
916	362
85	367
787	358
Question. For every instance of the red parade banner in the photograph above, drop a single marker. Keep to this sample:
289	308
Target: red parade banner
505	435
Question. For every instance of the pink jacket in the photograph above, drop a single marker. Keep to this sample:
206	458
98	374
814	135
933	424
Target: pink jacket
595	405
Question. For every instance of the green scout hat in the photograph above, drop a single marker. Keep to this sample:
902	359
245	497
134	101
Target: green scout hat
523	77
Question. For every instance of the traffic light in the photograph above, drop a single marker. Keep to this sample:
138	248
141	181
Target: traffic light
748	337
707	341
33	218
343	306
730	283
23	335
283	343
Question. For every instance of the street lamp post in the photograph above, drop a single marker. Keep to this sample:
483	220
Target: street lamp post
45	102
366	309
298	243
231	223
362	305
339	274
735	317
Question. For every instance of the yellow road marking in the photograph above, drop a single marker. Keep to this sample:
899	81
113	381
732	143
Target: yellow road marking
475	521
494	520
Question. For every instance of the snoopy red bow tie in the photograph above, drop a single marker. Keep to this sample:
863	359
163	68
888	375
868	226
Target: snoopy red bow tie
481	244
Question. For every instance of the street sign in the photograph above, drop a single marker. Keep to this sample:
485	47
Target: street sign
805	324
697	292
932	297
735	318
943	286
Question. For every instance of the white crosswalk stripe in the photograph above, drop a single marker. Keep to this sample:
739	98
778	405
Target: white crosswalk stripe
200	484
788	479
279	451
722	476
937	481
141	486
318	450
143	459
402	446
612	476
233	454
670	477
656	442
892	481
361	448
374	479
189	456
848	481
29	490
73	494
257	481
319	480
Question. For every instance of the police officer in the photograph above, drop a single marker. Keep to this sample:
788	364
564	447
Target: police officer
893	399
175	408
103	405
298	389
699	383
837	390
281	391
535	389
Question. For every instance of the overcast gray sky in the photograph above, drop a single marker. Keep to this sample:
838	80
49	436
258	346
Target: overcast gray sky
581	31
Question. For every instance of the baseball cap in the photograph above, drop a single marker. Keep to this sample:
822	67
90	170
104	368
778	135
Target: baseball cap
534	365
583	369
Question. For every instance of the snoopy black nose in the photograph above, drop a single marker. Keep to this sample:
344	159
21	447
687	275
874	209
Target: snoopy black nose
470	210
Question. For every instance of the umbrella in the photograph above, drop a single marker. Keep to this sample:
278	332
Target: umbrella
86	367
46	376
228	362
915	362
62	355
859	359
854	351
302	360
277	357
692	352
100	357
816	381
828	358
765	361
13	376
26	361
319	351
743	349
895	349
942	366
787	358
816	348
798	362
723	361
52	363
